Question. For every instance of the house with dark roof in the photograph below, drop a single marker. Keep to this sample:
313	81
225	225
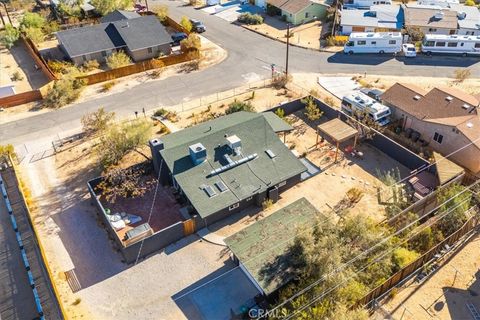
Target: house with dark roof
227	164
298	11
140	37
446	118
379	18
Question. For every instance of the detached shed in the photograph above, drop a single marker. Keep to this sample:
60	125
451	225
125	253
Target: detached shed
338	131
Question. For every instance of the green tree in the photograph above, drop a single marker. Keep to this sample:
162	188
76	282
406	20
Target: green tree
403	257
237	106
186	24
120	139
32	20
423	241
311	109
64	91
34	34
118	59
104	7
454	207
9	36
97	121
162	13
470	3
192	42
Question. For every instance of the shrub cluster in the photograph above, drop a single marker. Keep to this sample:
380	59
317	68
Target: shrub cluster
249	18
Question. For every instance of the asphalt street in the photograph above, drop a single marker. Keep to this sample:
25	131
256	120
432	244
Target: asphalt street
249	57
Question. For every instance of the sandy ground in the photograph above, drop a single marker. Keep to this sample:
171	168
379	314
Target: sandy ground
306	35
444	295
73	239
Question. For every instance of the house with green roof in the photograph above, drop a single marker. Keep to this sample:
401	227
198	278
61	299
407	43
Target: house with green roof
227	164
261	249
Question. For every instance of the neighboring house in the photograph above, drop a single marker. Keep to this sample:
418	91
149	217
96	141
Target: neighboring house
228	164
446	118
431	19
140	37
468	19
118	15
269	272
297	11
364	4
85	6
440	3
379	18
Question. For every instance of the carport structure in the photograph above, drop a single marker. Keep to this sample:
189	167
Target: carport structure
338	131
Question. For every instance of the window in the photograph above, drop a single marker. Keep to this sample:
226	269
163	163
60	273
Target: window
281	184
104	53
84	58
461	44
374	42
306	14
234	206
249	198
392	42
470	33
440	44
438	137
149	50
361	43
430	43
452	44
477	45
432	30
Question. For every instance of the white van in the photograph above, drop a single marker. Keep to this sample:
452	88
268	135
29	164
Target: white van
374	42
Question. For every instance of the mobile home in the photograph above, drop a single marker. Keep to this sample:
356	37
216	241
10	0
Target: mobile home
453	44
365	4
358	102
370	42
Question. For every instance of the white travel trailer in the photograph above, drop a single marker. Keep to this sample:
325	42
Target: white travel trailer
360	4
374	42
439	3
453	44
358	102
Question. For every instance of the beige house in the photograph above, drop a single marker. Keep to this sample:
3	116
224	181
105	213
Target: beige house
431	19
448	119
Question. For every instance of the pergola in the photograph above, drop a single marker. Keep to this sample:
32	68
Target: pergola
338	131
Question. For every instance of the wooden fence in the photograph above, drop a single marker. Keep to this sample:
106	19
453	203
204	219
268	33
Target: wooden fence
417	264
37	57
135	68
20	98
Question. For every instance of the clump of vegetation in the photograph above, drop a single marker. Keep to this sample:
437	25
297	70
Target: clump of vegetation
107	86
32	24
120	139
124	183
164	113
403	257
91	65
462	74
280	113
17	76
338	41
267	203
9	36
470	3
106	6
280	81
415	33
330	101
63	92
237	106
354	195
311	109
7	149
191	43
250	19
118	59
76	302
35	34
97	122
186	24
162	13
60	67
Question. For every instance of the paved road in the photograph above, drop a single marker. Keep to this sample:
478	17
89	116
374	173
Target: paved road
249	56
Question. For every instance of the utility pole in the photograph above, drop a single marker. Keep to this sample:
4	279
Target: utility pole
8	14
288	45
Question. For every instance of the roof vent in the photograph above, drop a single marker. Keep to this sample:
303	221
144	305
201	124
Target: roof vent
448	98
198	153
469	125
270	153
416	97
461	15
439	15
465	106
209	190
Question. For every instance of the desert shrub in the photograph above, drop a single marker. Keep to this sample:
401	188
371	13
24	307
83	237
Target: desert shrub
191	43
237	106
462	74
280	113
118	59
106	6
186	24
17	76
91	65
97	121
107	86
63	92
250	19
34	34
423	241
279	81
9	36
160	112
162	13
403	257
267	203
118	140
336	41
470	3
415	33
7	149
63	68
330	101
311	109
354	195
32	20
50	27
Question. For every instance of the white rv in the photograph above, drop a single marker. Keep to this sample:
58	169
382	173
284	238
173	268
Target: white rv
374	42
364	4
439	3
359	102
453	44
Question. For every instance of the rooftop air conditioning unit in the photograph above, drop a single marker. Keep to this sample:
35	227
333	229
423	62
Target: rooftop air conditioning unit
448	98
439	15
198	153
417	97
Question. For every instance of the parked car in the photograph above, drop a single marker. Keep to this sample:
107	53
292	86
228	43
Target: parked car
198	26
373	93
178	37
409	50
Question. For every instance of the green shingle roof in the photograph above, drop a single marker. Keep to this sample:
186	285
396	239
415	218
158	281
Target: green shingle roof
242	181
259	245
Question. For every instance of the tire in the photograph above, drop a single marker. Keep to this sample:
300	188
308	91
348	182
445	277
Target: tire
429	53
382	52
464	54
350	52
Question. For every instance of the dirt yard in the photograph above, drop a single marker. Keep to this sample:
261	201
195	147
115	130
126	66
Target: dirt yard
446	293
306	35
